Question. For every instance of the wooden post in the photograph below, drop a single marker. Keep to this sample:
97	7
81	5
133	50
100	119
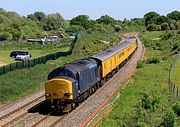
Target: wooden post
173	89
177	92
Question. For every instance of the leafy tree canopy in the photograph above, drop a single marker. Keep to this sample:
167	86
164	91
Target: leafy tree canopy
81	20
106	20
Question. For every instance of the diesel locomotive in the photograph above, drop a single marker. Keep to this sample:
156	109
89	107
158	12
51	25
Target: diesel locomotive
69	85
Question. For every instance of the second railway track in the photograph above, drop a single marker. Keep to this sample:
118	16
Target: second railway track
15	115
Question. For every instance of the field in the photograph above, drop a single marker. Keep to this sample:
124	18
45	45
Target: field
22	82
146	100
36	50
4	54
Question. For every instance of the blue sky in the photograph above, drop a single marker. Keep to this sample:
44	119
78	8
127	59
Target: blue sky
118	9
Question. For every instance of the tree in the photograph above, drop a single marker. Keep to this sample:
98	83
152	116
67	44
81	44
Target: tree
53	22
165	26
149	17
174	25
160	19
117	28
106	20
152	27
3	19
5	36
175	15
75	29
39	16
16	23
81	20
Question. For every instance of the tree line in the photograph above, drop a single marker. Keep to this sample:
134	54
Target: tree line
157	22
18	28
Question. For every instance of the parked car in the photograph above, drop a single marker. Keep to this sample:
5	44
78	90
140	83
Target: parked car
23	56
14	53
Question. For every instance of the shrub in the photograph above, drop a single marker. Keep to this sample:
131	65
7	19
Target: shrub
141	124
165	26
140	64
152	27
153	60
150	102
176	108
169	119
175	46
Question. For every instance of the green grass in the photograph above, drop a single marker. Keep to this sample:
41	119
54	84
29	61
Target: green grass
150	81
21	82
4	54
176	73
37	50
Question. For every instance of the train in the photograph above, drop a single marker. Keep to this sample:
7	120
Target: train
69	85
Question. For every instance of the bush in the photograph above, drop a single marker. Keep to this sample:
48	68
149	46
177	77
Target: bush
141	124
175	46
140	64
165	26
152	27
169	119
150	102
153	60
176	108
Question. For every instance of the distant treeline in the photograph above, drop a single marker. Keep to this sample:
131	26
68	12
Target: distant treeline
18	28
156	22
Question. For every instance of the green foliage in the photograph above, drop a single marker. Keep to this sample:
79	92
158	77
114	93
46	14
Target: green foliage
106	20
81	20
165	26
160	20
152	60
171	21
152	27
5	36
141	124
53	22
117	28
169	120
140	64
149	17
75	29
150	102
176	108
175	15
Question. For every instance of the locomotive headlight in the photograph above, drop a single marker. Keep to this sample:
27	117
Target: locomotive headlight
67	94
47	94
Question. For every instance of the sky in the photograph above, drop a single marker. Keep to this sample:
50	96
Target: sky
118	9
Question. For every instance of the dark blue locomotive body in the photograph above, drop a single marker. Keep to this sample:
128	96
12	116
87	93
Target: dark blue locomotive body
84	72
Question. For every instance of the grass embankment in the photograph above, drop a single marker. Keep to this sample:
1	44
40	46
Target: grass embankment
176	73
146	100
37	50
21	82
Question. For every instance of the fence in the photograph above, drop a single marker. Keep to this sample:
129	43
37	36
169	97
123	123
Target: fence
172	87
40	60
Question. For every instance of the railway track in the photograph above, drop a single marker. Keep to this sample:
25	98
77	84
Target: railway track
48	120
15	115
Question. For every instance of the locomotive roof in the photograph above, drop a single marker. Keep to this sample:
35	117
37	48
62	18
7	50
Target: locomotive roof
112	51
80	65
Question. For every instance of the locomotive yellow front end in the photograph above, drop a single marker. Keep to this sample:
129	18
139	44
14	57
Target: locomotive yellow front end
59	93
